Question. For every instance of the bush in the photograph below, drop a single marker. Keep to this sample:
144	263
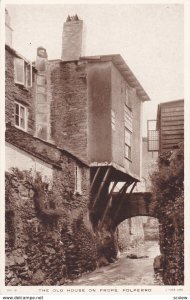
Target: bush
168	191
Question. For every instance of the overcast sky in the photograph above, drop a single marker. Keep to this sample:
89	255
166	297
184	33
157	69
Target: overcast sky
148	36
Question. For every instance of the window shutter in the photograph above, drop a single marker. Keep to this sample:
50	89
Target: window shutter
19	70
28	73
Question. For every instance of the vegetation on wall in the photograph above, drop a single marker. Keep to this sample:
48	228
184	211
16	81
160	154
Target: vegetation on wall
168	189
45	243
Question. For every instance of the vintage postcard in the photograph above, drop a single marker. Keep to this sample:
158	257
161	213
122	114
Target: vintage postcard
94	126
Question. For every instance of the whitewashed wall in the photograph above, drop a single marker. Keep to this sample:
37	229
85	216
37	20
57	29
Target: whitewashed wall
16	158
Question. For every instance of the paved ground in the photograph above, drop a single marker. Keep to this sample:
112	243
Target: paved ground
126	271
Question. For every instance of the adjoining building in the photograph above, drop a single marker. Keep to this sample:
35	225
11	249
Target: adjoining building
167	131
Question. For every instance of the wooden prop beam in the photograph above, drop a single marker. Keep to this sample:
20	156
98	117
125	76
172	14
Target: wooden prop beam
102	185
108	202
94	178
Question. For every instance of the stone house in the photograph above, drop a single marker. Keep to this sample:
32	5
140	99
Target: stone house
77	122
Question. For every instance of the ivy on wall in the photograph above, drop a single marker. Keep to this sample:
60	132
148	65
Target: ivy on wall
168	191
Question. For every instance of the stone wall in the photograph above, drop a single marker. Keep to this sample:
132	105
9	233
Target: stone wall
123	232
48	241
68	95
15	92
39	215
151	229
130	233
41	149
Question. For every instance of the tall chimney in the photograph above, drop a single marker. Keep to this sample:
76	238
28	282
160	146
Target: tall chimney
72	39
8	29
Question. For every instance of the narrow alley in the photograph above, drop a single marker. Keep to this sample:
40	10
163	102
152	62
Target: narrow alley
127	271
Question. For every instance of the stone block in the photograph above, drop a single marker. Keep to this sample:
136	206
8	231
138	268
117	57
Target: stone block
19	260
38	277
41	89
41	98
42	108
41	80
158	262
41	118
42	131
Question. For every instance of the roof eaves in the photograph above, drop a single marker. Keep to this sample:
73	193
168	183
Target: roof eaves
66	151
35	154
171	102
124	69
14	52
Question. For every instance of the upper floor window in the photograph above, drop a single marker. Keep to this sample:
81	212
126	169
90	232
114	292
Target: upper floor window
128	136
20	116
130	96
128	118
22	72
78	180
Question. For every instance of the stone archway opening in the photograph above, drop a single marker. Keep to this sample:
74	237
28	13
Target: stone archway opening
138	243
133	233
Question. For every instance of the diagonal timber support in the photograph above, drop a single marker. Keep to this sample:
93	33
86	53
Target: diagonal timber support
102	185
94	178
108	202
121	194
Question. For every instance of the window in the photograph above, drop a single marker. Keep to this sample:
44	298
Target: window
153	136
20	116
128	131
128	118
127	144
22	72
113	119
78	180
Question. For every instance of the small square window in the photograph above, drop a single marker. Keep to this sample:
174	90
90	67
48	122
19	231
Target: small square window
20	116
128	152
